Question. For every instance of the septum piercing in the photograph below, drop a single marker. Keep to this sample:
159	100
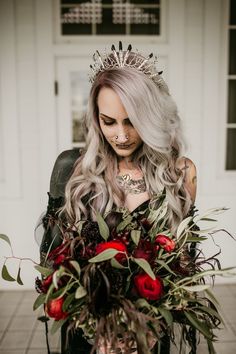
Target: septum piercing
126	137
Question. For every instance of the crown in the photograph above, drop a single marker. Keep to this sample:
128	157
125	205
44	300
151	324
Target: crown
121	59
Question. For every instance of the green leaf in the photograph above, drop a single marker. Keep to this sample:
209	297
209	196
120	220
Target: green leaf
116	264
166	314
124	223
212	297
196	288
165	265
56	325
200	326
5	274
135	235
145	266
142	303
210	311
103	228
105	255
5	238
182	226
76	265
80	292
67	302
43	270
39	301
18	279
196	239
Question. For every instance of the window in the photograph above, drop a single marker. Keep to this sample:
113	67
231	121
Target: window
231	119
110	17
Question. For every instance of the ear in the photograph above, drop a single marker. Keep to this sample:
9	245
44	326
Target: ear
190	176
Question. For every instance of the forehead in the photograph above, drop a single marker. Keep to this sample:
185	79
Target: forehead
109	103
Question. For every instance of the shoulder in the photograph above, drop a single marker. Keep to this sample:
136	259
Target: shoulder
62	171
67	158
189	172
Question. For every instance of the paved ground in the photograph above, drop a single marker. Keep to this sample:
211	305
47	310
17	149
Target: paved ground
21	333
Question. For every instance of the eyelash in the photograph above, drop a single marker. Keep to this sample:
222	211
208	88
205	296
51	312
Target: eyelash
111	123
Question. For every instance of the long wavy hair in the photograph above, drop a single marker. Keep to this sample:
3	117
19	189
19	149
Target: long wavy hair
153	113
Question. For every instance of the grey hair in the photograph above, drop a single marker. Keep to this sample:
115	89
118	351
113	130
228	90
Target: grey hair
153	113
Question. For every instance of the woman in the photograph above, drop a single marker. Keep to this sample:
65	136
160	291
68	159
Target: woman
134	149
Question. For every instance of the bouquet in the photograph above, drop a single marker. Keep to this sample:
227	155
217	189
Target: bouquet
126	280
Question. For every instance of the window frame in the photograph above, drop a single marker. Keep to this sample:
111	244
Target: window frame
91	39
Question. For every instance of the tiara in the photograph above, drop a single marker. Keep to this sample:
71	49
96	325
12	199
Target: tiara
121	59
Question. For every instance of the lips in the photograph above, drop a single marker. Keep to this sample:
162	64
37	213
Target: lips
124	146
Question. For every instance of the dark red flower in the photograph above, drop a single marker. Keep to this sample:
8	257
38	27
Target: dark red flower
145	249
117	245
54	309
165	242
46	283
147	287
59	254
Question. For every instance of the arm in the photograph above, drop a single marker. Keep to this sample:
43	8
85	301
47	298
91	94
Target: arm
190	176
61	173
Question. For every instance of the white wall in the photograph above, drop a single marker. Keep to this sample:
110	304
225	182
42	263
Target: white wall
28	120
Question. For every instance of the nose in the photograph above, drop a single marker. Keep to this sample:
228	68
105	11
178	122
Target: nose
121	139
122	136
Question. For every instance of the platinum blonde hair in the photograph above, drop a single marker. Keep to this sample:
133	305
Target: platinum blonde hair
153	113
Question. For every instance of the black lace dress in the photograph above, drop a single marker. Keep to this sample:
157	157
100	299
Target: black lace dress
71	343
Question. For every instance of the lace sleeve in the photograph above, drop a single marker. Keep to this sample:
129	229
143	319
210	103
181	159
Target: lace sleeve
48	233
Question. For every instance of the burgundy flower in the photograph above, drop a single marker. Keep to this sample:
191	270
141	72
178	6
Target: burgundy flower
165	242
145	249
117	245
59	254
46	283
54	309
147	287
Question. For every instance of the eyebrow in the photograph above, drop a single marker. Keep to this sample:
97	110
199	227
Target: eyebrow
105	116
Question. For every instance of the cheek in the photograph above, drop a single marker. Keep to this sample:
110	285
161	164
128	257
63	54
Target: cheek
108	132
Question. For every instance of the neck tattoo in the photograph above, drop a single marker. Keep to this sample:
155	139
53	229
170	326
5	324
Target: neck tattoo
132	186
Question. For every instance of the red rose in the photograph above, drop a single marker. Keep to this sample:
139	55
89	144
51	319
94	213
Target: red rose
117	245
54	309
165	242
147	287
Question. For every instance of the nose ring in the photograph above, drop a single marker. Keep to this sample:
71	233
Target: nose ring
126	137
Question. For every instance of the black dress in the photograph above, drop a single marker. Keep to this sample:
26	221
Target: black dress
71	343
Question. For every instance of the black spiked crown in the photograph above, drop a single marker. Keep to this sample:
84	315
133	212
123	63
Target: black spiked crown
121	59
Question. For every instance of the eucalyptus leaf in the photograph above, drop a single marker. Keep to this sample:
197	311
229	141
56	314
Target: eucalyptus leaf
182	226
166	314
200	326
145	266
57	325
6	275
43	270
80	292
39	301
165	265
18	279
103	228
196	288
76	265
5	238
135	235
68	301
122	225
104	256
116	264
142	303
196	239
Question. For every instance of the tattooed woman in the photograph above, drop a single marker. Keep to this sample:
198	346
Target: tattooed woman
134	149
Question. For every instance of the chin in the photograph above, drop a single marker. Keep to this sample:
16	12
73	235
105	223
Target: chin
124	153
